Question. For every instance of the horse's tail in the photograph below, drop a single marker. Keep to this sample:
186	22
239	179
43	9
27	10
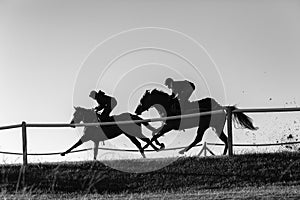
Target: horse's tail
244	120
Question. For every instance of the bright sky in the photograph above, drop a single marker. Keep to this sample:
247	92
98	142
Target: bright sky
53	53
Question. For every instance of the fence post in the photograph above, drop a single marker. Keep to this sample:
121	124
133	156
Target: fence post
229	130
24	138
205	149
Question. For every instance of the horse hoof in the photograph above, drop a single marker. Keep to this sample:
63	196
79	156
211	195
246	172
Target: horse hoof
162	146
62	154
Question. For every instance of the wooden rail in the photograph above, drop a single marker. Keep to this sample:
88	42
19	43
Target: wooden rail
229	110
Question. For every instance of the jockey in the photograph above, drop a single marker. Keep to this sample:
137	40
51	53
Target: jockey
105	102
180	89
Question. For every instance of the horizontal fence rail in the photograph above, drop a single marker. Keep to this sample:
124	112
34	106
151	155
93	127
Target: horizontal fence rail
58	125
10	126
136	150
256	145
256	110
229	110
37	125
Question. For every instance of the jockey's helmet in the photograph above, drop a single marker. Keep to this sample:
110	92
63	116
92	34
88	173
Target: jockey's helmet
168	82
93	94
100	92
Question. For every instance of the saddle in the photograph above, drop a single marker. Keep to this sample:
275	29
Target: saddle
103	118
188	107
181	107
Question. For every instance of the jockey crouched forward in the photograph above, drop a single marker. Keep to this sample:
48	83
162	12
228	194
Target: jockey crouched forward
181	89
105	103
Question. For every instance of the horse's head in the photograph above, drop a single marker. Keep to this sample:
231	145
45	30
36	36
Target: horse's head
155	98
145	103
83	115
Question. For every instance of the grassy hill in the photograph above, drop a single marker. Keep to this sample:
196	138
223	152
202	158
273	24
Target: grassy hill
185	173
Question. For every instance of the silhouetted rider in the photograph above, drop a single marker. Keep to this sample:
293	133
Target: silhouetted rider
180	89
105	102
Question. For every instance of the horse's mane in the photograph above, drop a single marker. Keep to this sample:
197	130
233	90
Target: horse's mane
85	110
159	92
155	93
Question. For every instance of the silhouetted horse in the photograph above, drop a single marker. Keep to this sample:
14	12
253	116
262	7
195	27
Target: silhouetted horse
101	133
168	106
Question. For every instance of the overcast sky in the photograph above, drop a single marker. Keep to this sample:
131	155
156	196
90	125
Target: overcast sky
52	53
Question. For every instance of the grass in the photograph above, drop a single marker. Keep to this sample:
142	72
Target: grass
265	192
210	177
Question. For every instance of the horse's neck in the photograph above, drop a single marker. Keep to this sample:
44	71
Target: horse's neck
172	108
163	102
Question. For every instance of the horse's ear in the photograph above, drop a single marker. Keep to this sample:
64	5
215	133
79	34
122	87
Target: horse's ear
147	91
75	107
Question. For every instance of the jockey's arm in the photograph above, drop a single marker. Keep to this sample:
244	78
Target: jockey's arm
176	91
99	107
173	95
113	102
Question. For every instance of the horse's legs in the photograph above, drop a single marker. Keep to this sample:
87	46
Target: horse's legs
218	126
200	133
223	137
154	132
148	141
96	146
137	143
73	147
162	145
145	139
139	134
164	130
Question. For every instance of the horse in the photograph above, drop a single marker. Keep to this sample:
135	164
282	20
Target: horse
106	132
168	106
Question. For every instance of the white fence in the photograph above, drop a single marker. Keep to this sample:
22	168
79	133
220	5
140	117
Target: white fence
229	109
